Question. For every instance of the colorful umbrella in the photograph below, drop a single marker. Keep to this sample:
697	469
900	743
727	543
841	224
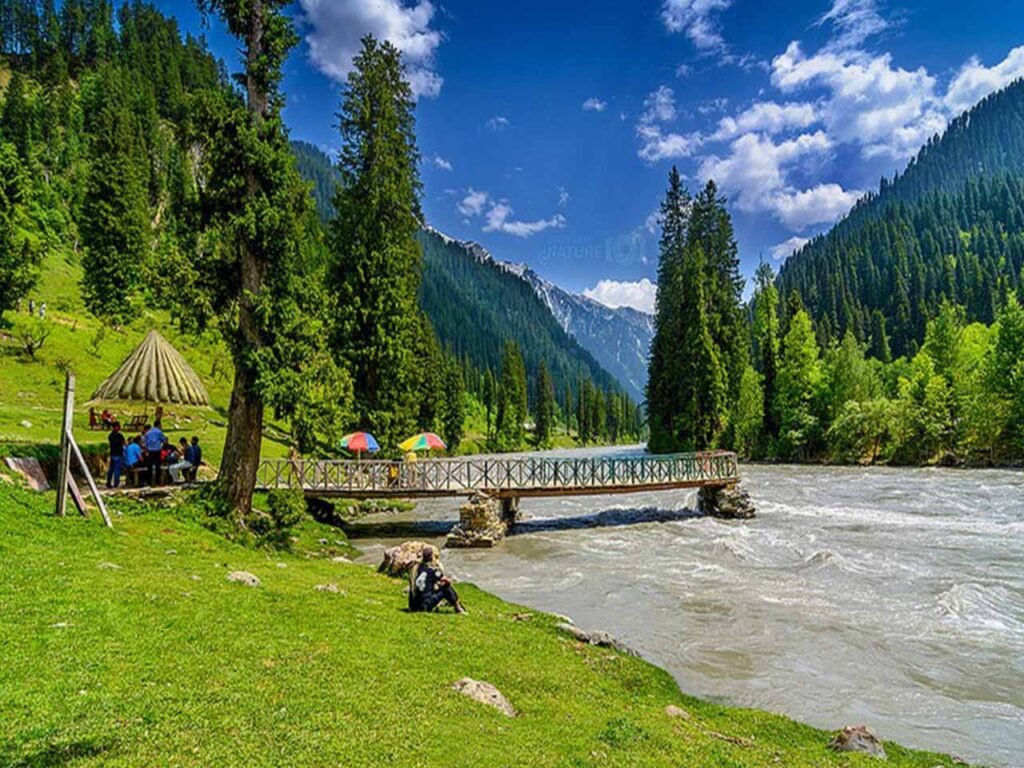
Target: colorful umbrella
358	442
424	441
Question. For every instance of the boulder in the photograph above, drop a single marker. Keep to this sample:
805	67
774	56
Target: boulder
594	637
30	470
673	711
401	559
728	502
329	587
244	577
858	738
485	693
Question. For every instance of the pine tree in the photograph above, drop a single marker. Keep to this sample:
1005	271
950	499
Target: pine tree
879	346
664	407
545	408
115	215
18	261
490	398
704	383
512	401
17	123
453	413
376	257
799	382
766	335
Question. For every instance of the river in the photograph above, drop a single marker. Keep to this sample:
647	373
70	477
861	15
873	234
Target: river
892	597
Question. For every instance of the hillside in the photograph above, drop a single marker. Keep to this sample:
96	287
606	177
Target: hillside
476	303
950	227
130	647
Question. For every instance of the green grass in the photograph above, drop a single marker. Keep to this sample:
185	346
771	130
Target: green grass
129	647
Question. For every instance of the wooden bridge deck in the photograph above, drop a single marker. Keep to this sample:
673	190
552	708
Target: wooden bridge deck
503	477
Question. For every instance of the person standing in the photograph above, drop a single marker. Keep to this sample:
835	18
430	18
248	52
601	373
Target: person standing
116	467
153	441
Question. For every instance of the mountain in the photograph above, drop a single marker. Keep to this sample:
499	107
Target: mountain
620	338
949	228
475	303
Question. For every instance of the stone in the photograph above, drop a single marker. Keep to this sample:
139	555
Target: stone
25	423
673	711
480	523
485	693
729	503
109	566
401	559
858	738
30	470
244	577
340	559
332	588
596	638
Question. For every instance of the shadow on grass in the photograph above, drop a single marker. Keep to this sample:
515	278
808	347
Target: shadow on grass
53	755
609	518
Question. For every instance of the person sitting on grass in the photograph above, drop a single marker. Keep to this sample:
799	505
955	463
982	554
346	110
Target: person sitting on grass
429	586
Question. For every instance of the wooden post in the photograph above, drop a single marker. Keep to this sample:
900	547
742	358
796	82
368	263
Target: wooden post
88	478
64	463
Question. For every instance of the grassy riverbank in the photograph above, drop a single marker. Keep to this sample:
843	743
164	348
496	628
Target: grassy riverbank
131	648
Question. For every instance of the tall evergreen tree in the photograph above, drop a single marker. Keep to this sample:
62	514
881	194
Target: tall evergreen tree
798	388
17	260
512	401
664	406
376	257
766	336
115	215
545	407
17	122
453	411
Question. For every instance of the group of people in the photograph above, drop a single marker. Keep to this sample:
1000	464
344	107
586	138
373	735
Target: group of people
152	451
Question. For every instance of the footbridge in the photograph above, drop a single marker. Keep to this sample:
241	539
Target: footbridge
503	477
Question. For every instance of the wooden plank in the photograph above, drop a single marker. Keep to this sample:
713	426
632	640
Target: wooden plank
64	462
89	480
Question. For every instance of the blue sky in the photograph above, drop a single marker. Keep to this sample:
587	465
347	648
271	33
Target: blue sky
548	129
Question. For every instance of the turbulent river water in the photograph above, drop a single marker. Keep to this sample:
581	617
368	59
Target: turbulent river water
892	597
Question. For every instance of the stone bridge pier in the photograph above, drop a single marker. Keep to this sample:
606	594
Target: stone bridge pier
484	520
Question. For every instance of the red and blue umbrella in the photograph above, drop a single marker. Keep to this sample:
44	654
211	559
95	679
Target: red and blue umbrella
360	442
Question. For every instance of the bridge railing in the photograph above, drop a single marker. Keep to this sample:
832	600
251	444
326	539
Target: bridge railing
458	476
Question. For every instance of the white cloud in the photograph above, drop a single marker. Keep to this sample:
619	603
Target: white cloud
440	163
788	248
974	81
821	204
473	203
854	22
498	123
696	19
594	104
335	28
563	197
499	219
683	70
767	117
659	106
655	142
640	295
756	171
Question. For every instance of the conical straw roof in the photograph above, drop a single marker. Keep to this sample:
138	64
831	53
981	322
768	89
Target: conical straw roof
155	372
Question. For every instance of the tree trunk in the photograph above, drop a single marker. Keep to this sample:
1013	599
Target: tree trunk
245	416
242	444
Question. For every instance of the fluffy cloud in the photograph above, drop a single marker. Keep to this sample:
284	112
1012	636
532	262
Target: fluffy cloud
767	117
335	28
788	248
641	294
696	19
757	170
594	104
499	219
974	81
498	123
657	143
498	215
441	163
473	203
854	21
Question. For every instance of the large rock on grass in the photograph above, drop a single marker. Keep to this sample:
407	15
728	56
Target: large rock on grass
244	577
485	693
401	559
858	738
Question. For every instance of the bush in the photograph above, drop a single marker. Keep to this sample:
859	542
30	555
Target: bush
286	509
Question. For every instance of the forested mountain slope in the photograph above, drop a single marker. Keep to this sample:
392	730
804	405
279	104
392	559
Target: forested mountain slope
950	227
476	303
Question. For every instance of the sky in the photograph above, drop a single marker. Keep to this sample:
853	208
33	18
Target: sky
548	129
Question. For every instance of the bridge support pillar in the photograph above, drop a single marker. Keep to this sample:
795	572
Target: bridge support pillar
481	523
509	511
726	501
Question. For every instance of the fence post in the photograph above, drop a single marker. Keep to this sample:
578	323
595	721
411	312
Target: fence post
64	463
